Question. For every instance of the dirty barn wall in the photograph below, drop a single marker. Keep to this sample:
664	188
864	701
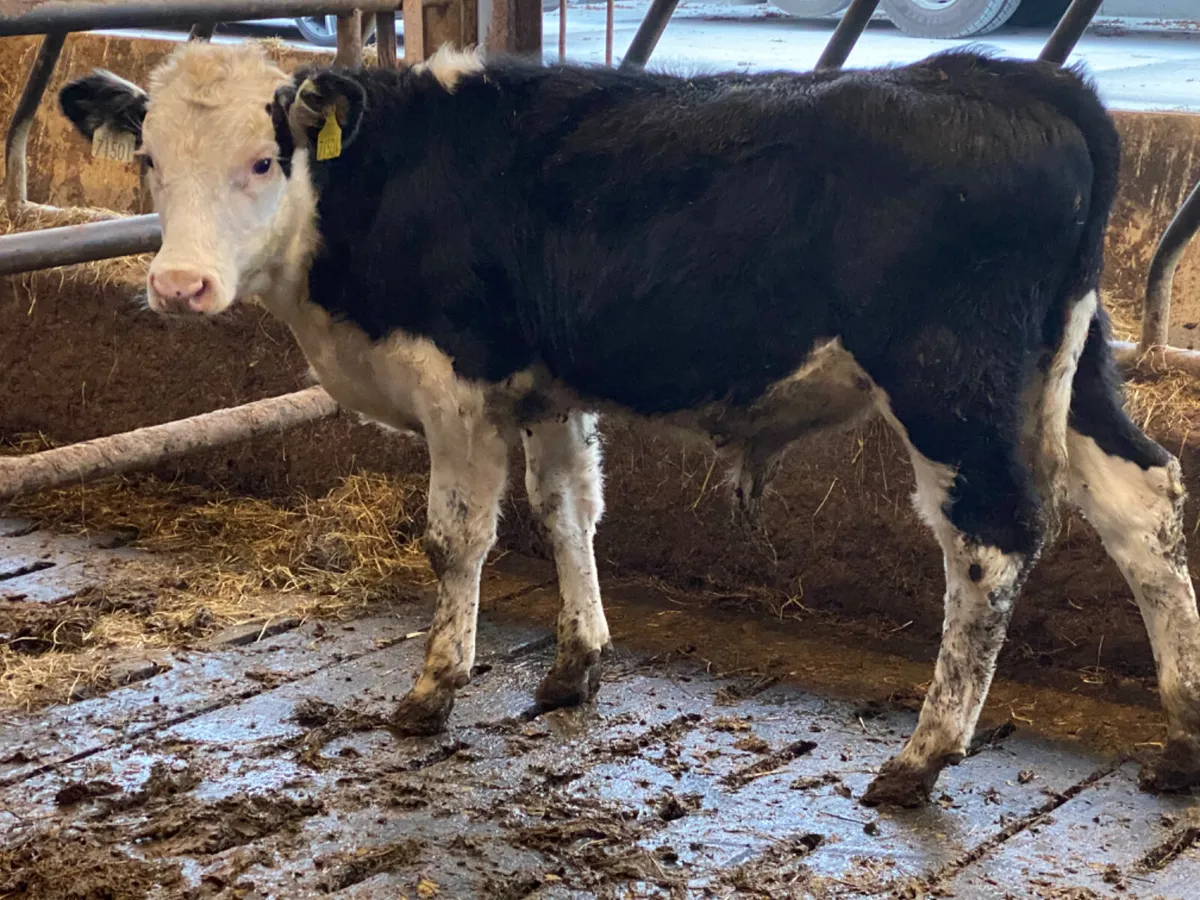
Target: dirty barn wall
79	360
1160	164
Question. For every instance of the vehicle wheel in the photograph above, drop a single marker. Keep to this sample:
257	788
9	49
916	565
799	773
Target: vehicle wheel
807	9
319	30
949	18
1038	13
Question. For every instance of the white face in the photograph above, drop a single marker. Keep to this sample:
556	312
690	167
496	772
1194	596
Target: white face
217	211
211	155
210	127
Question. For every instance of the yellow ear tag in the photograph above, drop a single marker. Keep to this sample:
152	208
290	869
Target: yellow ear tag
329	138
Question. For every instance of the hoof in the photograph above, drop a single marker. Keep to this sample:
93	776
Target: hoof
422	715
571	684
1178	769
901	785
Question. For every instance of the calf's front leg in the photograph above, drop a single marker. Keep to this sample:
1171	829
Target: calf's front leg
566	491
468	467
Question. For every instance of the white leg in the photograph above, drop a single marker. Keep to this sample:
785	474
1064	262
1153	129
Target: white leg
1138	512
566	490
990	513
982	584
468	468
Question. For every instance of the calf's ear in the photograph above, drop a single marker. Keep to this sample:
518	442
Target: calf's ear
317	98
278	109
104	99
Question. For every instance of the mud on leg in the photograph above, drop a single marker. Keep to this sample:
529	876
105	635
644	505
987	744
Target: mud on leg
468	467
1131	491
565	487
986	519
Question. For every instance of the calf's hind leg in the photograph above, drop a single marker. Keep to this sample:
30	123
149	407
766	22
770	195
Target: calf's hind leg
987	509
468	466
1131	491
987	521
565	487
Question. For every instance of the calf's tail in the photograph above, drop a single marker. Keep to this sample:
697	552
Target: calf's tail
1077	326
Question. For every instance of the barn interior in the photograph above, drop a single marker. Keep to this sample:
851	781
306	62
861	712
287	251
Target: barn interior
198	656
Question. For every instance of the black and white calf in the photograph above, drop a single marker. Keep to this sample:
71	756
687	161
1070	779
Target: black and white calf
485	251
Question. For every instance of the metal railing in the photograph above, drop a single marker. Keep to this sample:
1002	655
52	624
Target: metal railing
46	16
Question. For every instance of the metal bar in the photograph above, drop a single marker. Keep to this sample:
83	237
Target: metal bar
1069	30
1156	313
202	31
349	40
608	32
648	33
44	16
16	187
846	35
562	30
27	251
385	38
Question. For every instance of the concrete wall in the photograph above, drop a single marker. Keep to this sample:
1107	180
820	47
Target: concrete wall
79	360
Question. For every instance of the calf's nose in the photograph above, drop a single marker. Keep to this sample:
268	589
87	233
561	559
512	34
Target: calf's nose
181	289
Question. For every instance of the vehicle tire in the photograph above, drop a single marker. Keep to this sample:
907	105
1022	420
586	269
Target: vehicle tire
808	9
949	18
1038	13
318	30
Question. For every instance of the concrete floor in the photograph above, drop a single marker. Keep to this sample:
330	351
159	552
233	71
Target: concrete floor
258	764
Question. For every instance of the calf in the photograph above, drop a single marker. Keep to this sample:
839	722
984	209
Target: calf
481	252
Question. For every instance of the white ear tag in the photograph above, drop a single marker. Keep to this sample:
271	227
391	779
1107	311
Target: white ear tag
108	143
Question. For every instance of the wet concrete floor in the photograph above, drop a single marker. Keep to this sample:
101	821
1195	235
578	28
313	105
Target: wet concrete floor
724	758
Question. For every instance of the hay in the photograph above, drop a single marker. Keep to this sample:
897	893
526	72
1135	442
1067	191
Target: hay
216	561
1165	404
1125	316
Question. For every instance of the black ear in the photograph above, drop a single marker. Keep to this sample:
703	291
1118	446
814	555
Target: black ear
278	109
319	95
102	98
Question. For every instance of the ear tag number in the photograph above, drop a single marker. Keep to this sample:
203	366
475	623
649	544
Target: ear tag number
108	143
329	138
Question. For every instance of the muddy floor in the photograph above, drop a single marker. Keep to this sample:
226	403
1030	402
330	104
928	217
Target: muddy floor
724	758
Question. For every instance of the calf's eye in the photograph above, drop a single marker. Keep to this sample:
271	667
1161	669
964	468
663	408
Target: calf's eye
261	167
